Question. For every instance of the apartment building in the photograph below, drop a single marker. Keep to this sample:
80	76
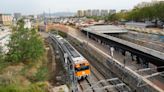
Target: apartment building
89	13
6	19
17	16
112	11
80	13
95	12
104	12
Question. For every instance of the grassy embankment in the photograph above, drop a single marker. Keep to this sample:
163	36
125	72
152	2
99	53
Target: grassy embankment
25	67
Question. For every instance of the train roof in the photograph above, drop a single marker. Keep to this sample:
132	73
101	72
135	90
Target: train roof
72	51
76	56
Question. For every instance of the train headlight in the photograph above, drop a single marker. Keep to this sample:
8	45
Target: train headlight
83	72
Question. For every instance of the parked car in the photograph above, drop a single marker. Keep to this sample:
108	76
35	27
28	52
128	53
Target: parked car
160	24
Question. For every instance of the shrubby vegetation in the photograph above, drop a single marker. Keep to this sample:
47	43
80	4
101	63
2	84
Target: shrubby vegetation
24	61
1	54
41	75
155	11
25	45
59	32
38	87
3	64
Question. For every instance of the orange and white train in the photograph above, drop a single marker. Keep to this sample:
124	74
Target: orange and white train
80	64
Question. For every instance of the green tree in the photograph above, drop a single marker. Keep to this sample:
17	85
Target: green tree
113	17
151	12
25	44
159	10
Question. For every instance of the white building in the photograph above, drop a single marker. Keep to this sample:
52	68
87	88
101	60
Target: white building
80	13
4	38
95	12
27	24
89	13
104	12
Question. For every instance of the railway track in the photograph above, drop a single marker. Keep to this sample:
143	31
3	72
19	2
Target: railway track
159	46
105	72
101	78
85	85
91	83
115	85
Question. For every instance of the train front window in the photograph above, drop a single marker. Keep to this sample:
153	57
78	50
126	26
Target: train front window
82	68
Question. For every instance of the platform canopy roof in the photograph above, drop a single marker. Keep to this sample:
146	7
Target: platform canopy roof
105	29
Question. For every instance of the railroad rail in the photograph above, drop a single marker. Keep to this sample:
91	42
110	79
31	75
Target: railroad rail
132	74
85	84
115	83
159	46
128	70
65	48
88	84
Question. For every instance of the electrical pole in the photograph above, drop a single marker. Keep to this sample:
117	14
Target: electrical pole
49	15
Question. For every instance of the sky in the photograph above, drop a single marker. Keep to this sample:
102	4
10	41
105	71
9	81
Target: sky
40	6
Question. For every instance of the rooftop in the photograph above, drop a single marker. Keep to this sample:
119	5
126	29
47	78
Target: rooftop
105	29
139	24
5	14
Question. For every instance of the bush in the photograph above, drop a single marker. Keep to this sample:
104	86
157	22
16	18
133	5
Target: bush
3	64
1	54
37	87
41	75
59	33
25	45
